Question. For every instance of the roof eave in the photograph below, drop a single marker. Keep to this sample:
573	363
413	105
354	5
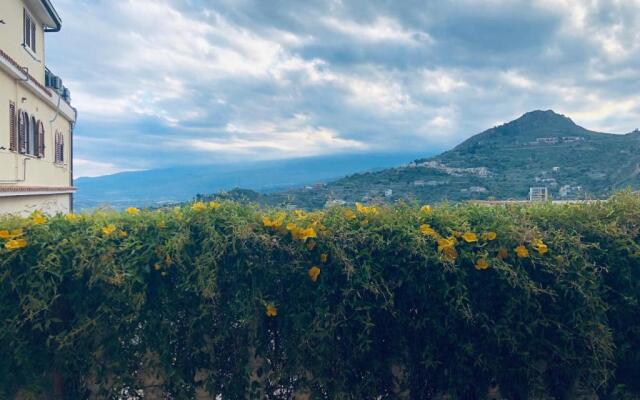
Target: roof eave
54	16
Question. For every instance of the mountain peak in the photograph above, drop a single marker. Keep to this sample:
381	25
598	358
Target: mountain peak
543	117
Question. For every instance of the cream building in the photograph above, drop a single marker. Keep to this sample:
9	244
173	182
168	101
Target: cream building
36	126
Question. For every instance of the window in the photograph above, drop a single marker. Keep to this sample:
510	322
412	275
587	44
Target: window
59	148
23	127
32	137
13	133
40	139
29	32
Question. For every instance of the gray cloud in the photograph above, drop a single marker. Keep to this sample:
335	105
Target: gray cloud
162	82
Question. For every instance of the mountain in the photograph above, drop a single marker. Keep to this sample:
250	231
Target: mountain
162	186
539	149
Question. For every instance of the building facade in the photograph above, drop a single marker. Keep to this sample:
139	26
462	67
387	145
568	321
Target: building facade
36	125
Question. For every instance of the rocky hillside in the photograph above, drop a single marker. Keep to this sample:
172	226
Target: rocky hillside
539	149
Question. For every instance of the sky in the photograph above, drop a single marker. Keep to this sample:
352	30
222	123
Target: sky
159	83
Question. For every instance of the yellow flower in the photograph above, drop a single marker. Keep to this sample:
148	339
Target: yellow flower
15	244
132	211
450	241
38	219
324	257
291	226
426	209
503	253
470	237
522	251
276	222
198	206
365	222
162	224
428	231
366	210
489	236
71	217
449	253
482	263
349	214
299	213
123	234
271	310
447	248
214	205
17	232
314	272
5	234
109	229
303	234
540	246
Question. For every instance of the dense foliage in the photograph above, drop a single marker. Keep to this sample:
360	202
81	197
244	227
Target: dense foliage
366	303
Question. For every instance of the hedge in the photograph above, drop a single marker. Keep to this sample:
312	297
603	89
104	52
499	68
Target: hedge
223	300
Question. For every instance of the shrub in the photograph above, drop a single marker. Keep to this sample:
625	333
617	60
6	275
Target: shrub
397	301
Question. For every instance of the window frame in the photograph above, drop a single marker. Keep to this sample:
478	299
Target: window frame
59	148
32	137
13	127
29	32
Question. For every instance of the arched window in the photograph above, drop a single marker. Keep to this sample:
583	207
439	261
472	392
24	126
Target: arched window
23	128
32	137
40	139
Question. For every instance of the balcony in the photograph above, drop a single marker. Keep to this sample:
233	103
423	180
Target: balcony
54	82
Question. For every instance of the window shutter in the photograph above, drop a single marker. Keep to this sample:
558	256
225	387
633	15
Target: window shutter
61	148
24	26
27	29
13	140
40	139
32	137
22	134
33	36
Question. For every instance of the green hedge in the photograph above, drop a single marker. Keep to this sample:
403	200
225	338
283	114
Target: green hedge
366	303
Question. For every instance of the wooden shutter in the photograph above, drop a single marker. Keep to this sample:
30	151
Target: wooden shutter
40	139
33	36
24	26
13	139
27	29
59	148
32	137
22	131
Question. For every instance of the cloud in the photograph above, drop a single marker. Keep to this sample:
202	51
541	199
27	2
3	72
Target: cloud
88	168
167	82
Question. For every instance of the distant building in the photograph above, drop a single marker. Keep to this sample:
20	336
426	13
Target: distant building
570	192
537	194
388	193
36	169
555	169
547	140
334	202
570	139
